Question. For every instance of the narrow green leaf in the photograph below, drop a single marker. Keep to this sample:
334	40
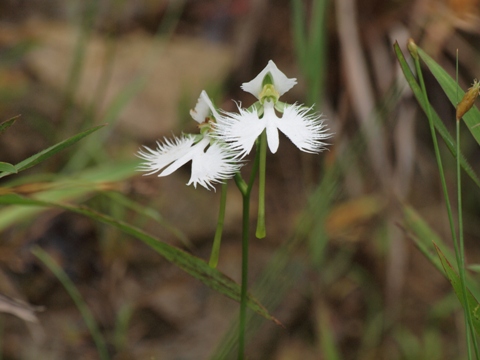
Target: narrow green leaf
45	154
452	275
474	268
7	123
187	262
299	32
424	237
77	299
8	168
454	93
439	126
67	189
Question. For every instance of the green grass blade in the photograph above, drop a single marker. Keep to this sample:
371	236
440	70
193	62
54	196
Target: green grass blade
66	189
7	168
439	126
77	298
424	238
454	93
317	56
45	154
327	339
299	33
7	123
187	262
472	303
151	213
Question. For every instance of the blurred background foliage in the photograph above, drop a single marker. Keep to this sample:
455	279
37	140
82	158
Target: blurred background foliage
338	267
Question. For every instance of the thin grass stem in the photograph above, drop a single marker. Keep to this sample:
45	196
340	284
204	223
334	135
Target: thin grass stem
218	232
77	298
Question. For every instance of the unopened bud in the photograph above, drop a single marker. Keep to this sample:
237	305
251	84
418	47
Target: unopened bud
412	48
468	100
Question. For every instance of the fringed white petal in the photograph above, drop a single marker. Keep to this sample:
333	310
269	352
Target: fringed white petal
240	130
166	153
271	120
280	81
214	165
190	155
203	108
304	129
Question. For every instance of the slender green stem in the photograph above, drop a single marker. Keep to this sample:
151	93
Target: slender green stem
261	229
438	157
246	190
243	292
461	264
218	232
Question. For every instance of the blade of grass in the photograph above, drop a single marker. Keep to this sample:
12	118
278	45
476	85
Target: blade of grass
425	238
310	46
439	126
187	262
8	168
45	154
67	189
7	123
151	213
453	92
471	338
472	302
77	298
299	32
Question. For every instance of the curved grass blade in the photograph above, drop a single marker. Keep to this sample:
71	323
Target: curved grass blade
453	92
7	123
439	126
8	168
452	275
52	150
425	237
64	189
77	298
187	262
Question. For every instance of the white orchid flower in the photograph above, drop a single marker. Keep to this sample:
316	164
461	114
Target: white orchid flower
279	80
240	130
212	161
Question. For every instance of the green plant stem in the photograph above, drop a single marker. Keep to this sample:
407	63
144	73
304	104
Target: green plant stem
218	232
244	284
261	229
461	264
438	158
246	190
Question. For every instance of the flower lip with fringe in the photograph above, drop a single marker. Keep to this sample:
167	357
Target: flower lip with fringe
240	130
212	161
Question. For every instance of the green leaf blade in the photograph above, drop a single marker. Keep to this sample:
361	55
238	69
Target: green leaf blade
52	150
439	126
454	279
454	93
7	123
8	168
187	262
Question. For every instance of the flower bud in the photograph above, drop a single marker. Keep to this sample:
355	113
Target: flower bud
412	48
